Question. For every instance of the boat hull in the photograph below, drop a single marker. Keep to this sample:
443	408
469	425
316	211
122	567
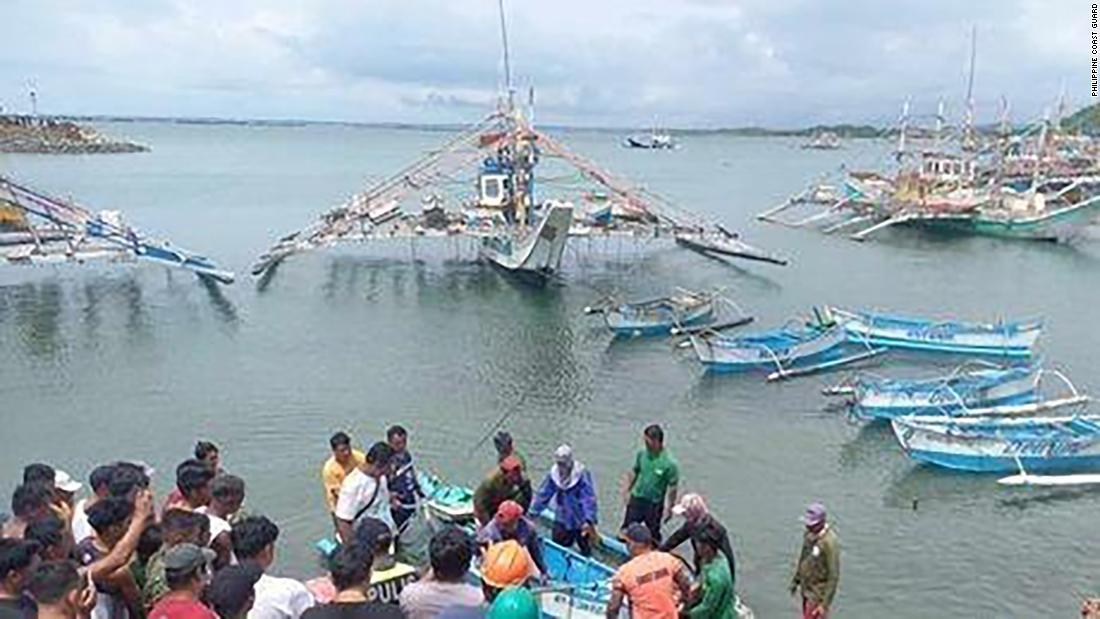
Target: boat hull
1039	444
628	321
979	389
538	254
754	353
1003	339
1060	225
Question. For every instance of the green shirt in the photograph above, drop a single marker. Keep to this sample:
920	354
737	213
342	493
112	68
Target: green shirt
156	583
717	600
653	475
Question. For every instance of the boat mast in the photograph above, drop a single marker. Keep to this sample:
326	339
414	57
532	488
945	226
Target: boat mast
904	126
968	133
507	63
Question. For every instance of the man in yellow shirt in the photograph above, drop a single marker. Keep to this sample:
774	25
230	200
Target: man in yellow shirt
344	460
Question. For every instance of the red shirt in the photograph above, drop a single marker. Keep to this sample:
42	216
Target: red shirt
178	608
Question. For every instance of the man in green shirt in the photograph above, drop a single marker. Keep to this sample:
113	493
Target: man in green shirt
654	476
714	599
507	483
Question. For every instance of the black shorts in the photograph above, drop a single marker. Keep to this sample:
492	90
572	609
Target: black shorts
648	513
567	538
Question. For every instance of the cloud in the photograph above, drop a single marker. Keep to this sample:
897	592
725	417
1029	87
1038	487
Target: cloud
606	62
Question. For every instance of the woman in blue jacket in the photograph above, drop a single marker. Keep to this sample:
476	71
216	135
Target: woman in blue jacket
568	488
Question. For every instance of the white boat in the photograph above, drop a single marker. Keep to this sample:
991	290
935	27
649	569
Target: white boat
538	252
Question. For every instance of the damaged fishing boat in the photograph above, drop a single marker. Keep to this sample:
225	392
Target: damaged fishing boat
37	228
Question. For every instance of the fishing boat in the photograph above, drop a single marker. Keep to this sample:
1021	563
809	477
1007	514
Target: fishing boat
656	140
682	308
480	186
1007	339
37	228
823	140
723	244
1002	444
973	385
798	348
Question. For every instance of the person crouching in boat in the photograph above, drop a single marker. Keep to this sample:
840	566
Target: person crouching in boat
507	483
503	565
510	524
569	486
697	517
653	582
817	571
714	596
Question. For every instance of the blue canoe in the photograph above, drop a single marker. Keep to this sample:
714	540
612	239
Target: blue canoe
965	388
1007	339
660	316
1062	444
784	351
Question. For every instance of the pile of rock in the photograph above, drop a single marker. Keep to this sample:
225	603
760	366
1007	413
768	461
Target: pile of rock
31	134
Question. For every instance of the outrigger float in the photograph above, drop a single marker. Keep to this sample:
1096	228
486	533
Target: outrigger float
36	228
513	228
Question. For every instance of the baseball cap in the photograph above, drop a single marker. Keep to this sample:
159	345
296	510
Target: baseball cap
231	587
511	463
187	557
638	533
509	511
815	514
65	482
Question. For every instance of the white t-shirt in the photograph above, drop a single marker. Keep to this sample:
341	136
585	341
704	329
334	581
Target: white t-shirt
280	598
218	525
81	528
360	491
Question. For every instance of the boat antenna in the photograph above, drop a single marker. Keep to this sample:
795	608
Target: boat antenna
939	124
507	62
968	137
904	122
531	105
32	93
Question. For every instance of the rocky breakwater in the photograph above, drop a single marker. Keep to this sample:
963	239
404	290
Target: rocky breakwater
30	134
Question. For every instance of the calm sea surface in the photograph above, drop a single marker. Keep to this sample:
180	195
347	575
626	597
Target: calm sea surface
122	361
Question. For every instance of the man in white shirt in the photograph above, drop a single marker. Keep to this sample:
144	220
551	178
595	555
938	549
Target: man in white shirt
276	598
226	497
365	493
98	480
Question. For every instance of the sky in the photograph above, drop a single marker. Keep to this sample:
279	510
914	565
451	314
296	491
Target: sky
610	63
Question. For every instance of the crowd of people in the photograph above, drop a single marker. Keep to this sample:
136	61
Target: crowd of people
201	554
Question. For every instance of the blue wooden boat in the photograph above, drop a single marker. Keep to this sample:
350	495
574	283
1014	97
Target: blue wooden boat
1008	339
1003	444
967	387
794	349
447	501
683	308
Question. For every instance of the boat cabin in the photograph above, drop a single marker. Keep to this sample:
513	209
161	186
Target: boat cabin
494	190
944	167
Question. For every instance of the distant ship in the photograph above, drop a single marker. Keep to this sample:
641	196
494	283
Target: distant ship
655	140
823	140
